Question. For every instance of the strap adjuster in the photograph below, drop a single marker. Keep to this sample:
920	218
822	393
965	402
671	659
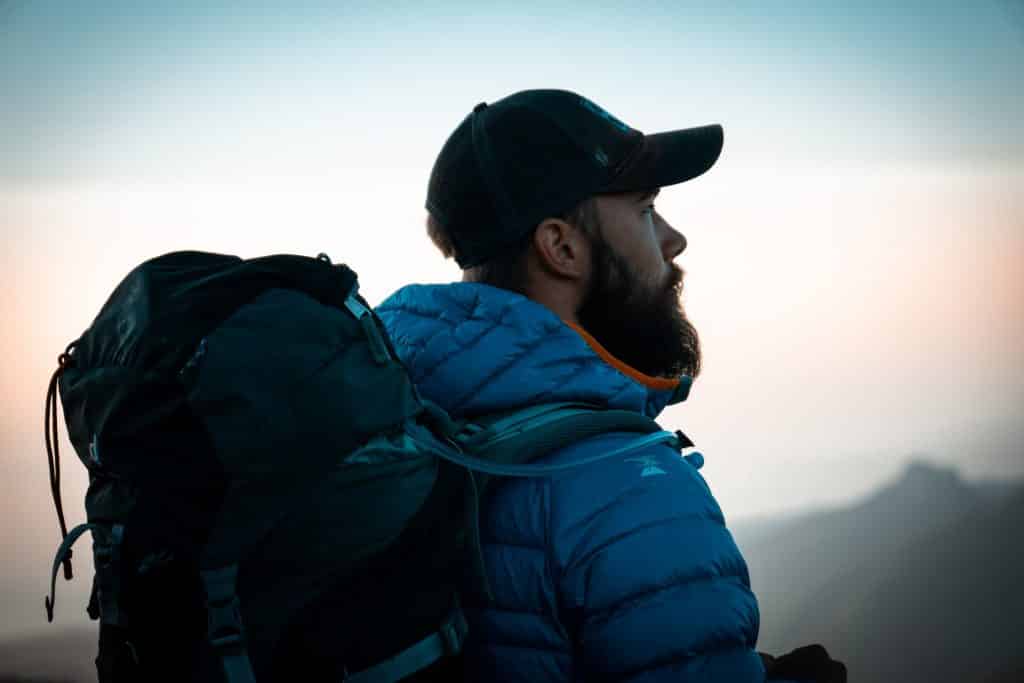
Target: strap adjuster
453	633
224	623
223	610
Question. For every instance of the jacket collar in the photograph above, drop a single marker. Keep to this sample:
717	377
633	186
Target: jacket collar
474	349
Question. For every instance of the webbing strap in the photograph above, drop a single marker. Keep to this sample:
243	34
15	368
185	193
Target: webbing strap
513	470
107	558
364	315
224	619
534	432
534	416
446	641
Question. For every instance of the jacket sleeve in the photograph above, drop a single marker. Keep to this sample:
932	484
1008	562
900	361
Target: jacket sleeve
650	584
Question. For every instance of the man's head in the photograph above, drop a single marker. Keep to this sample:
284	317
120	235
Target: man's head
547	194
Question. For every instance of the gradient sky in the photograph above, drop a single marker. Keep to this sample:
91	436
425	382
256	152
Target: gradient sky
855	256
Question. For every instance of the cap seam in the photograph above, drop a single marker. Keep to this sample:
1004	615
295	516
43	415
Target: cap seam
626	162
577	145
558	124
619	169
507	212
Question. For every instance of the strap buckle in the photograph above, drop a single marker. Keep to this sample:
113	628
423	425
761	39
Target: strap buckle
223	610
453	632
224	623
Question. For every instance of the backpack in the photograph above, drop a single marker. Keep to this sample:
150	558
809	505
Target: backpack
269	495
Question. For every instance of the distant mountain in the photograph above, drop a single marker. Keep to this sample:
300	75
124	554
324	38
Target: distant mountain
922	581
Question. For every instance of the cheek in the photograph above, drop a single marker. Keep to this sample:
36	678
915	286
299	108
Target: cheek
647	268
634	238
649	257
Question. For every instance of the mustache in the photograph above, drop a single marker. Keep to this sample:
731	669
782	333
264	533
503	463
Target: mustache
674	279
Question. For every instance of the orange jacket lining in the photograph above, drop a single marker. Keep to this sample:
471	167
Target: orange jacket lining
659	383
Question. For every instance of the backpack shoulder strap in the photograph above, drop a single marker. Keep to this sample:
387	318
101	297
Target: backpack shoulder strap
504	444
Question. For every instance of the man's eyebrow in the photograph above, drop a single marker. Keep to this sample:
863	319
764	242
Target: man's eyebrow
648	195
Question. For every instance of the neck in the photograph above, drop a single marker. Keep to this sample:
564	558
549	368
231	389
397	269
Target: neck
563	296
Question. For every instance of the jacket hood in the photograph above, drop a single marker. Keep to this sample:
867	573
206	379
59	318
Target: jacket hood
475	349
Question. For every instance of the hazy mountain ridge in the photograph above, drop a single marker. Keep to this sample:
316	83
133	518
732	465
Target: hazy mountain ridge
919	582
819	554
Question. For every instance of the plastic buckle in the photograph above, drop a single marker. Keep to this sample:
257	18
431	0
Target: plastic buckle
224	624
682	440
451	640
453	632
471	436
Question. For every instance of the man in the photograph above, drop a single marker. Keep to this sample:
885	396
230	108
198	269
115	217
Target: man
622	570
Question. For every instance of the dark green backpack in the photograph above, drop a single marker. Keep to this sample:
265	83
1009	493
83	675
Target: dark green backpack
269	496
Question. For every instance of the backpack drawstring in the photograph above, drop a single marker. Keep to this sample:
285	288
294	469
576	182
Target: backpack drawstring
53	449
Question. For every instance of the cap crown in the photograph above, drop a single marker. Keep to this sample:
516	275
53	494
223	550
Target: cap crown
529	156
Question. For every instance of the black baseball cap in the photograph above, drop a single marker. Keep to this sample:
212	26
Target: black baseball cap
537	154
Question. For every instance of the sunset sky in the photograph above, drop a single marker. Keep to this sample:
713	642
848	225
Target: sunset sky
855	257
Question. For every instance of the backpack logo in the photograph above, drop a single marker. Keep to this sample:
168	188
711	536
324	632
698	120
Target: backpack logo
649	463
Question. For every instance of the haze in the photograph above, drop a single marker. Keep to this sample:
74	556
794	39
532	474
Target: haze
854	260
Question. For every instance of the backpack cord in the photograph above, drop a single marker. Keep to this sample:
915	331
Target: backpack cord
63	552
53	450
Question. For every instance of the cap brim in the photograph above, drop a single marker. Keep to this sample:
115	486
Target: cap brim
670	158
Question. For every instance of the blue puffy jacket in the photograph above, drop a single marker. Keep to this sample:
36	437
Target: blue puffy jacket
617	571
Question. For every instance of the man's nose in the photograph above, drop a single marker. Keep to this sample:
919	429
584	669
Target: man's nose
673	242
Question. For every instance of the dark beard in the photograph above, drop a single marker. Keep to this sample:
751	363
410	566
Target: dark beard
643	326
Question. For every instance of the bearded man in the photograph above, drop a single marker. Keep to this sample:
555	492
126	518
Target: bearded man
622	570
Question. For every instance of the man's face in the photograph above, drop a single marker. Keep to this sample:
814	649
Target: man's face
632	305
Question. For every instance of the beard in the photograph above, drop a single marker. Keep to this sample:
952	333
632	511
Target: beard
640	323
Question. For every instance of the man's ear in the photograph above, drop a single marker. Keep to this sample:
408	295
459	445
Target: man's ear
561	249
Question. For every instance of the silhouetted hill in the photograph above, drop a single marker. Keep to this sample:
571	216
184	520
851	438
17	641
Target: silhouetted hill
951	607
919	582
996	491
63	656
801	557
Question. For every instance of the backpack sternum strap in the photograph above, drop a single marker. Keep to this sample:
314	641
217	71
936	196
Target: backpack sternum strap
224	619
447	641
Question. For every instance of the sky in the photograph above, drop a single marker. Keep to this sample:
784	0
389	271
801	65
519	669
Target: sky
855	256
